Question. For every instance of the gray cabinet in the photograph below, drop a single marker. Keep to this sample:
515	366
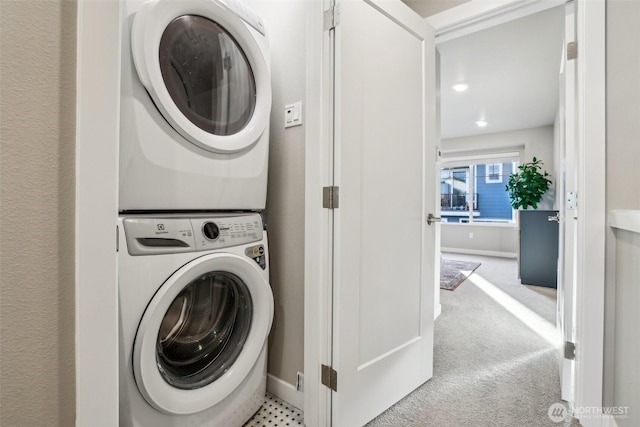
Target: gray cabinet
538	251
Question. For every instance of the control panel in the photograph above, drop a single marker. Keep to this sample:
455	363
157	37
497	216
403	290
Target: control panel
157	235
216	233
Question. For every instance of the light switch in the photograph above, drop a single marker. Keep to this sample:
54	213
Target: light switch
293	114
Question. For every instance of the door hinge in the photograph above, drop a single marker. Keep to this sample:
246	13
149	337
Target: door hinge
572	50
331	18
572	200
569	350
329	377
330	197
117	239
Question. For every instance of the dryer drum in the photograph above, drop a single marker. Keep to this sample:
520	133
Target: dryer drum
204	330
207	75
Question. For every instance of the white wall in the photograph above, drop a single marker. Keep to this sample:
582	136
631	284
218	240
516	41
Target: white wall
286	26
622	351
482	239
37	212
626	355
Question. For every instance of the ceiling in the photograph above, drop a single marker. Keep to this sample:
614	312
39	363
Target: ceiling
512	70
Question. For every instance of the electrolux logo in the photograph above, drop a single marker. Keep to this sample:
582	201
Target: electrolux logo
161	229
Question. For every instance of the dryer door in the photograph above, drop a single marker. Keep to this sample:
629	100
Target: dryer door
202	333
205	71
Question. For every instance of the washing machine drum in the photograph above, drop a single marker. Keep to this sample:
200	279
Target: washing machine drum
204	330
202	333
205	72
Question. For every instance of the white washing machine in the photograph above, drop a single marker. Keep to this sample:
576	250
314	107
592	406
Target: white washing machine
195	311
195	106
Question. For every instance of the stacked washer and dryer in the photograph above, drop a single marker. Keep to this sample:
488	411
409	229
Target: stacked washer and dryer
195	302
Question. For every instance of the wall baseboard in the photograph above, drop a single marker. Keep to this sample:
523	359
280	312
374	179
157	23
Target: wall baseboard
479	252
285	391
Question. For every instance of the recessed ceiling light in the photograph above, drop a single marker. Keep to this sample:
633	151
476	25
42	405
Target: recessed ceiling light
460	87
481	123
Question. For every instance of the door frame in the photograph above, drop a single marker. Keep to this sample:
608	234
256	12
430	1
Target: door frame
591	146
591	188
318	246
97	132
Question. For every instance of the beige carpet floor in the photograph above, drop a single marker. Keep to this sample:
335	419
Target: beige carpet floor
490	368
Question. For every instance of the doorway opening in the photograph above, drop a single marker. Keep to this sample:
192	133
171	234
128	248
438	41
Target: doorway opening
500	97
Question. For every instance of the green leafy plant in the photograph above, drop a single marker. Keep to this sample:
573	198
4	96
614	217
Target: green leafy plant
526	187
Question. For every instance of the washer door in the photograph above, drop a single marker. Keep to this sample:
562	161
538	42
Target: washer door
204	71
202	333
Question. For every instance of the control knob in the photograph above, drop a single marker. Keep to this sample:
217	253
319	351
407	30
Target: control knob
210	230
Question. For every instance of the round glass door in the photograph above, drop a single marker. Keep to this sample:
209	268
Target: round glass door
204	330
205	70
202	333
207	75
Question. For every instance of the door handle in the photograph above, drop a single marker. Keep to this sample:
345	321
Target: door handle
431	219
555	218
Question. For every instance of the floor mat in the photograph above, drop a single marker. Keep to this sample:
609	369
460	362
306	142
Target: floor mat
453	273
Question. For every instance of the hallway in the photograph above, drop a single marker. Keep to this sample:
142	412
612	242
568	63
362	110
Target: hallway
490	368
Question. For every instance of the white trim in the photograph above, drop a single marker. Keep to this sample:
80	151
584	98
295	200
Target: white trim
437	310
318	173
479	159
591	230
505	224
458	213
285	391
479	252
97	124
479	15
625	220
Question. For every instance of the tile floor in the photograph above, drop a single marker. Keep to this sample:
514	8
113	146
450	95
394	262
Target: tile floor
276	413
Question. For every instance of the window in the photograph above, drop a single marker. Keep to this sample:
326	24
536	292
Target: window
493	173
454	188
468	193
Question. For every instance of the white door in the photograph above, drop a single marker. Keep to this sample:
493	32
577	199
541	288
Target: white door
568	214
384	251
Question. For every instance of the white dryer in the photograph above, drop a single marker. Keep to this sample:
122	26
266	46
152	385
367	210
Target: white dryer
195	312
195	106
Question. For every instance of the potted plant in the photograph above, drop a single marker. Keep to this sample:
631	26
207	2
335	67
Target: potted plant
527	186
538	248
